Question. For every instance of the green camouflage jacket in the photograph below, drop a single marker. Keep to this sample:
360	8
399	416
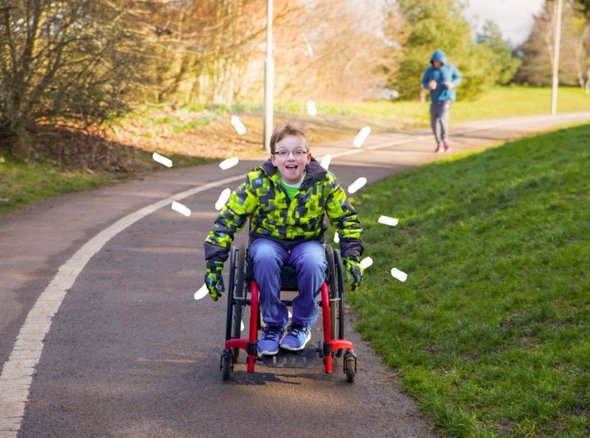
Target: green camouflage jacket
290	221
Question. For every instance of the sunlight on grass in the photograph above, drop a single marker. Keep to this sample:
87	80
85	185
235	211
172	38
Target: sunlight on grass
517	101
491	332
24	183
496	103
499	102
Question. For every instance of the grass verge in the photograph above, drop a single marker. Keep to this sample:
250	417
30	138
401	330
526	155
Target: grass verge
157	122
520	101
499	102
491	331
23	183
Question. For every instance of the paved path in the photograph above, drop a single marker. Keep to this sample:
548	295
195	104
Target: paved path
100	335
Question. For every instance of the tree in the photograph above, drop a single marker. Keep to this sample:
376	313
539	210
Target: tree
537	51
585	5
331	53
212	51
439	24
584	43
197	51
503	62
60	62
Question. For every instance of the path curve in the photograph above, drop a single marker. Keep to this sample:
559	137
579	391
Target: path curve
92	256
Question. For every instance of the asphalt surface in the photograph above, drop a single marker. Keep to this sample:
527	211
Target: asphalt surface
130	353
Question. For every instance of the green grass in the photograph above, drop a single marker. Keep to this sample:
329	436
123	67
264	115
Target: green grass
497	103
159	117
193	124
25	183
491	331
520	101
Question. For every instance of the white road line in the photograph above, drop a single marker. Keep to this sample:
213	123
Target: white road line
17	373
18	370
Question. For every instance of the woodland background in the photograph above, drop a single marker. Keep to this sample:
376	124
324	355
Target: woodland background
80	64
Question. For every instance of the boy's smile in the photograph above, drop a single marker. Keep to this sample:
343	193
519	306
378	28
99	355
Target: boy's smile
290	158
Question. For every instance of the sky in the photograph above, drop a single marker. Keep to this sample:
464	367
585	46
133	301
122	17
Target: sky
514	17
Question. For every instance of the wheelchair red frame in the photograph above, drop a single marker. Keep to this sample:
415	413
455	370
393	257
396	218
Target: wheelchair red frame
243	291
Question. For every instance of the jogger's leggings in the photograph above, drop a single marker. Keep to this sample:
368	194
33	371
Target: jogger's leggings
439	119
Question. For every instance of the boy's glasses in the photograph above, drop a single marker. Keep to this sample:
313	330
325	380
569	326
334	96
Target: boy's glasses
285	154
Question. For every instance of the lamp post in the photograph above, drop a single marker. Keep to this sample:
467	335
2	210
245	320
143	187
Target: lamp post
556	43
269	67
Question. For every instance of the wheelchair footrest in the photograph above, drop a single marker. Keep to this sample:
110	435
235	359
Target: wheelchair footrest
305	358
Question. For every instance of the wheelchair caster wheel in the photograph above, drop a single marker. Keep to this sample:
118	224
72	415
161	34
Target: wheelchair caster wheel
226	364
350	366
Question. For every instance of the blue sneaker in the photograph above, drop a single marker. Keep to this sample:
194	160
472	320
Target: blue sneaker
268	344
296	338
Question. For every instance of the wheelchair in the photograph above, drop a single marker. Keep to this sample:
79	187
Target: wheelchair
243	291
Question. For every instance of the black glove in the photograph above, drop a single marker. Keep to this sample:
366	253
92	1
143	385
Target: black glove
214	279
355	269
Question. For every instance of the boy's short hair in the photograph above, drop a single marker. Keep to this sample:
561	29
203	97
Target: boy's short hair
283	131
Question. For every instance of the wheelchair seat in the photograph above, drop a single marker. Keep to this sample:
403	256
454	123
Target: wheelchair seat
288	275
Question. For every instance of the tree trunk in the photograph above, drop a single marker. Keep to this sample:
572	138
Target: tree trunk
21	147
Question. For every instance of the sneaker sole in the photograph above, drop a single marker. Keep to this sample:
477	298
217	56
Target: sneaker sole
288	347
268	353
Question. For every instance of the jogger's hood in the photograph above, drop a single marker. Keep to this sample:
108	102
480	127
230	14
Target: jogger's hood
439	55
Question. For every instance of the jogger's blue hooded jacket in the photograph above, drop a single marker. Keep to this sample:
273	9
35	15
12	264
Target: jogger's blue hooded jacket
446	73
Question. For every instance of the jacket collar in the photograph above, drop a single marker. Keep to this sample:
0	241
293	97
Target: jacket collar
313	171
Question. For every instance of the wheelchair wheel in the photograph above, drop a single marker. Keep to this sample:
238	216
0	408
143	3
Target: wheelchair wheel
350	366
226	364
336	282
235	301
333	285
239	293
338	305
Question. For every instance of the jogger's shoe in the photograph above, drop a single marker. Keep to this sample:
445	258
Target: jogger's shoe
296	338
268	344
446	146
438	148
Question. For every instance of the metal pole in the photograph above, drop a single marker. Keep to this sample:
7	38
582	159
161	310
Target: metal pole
556	43
269	67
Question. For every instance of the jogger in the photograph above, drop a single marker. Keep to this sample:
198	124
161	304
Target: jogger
441	78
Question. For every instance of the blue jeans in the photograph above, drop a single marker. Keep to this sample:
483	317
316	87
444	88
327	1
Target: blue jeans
309	260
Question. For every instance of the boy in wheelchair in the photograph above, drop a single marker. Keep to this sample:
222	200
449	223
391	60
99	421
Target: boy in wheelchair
286	199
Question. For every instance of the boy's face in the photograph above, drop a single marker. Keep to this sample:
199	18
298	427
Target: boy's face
290	158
